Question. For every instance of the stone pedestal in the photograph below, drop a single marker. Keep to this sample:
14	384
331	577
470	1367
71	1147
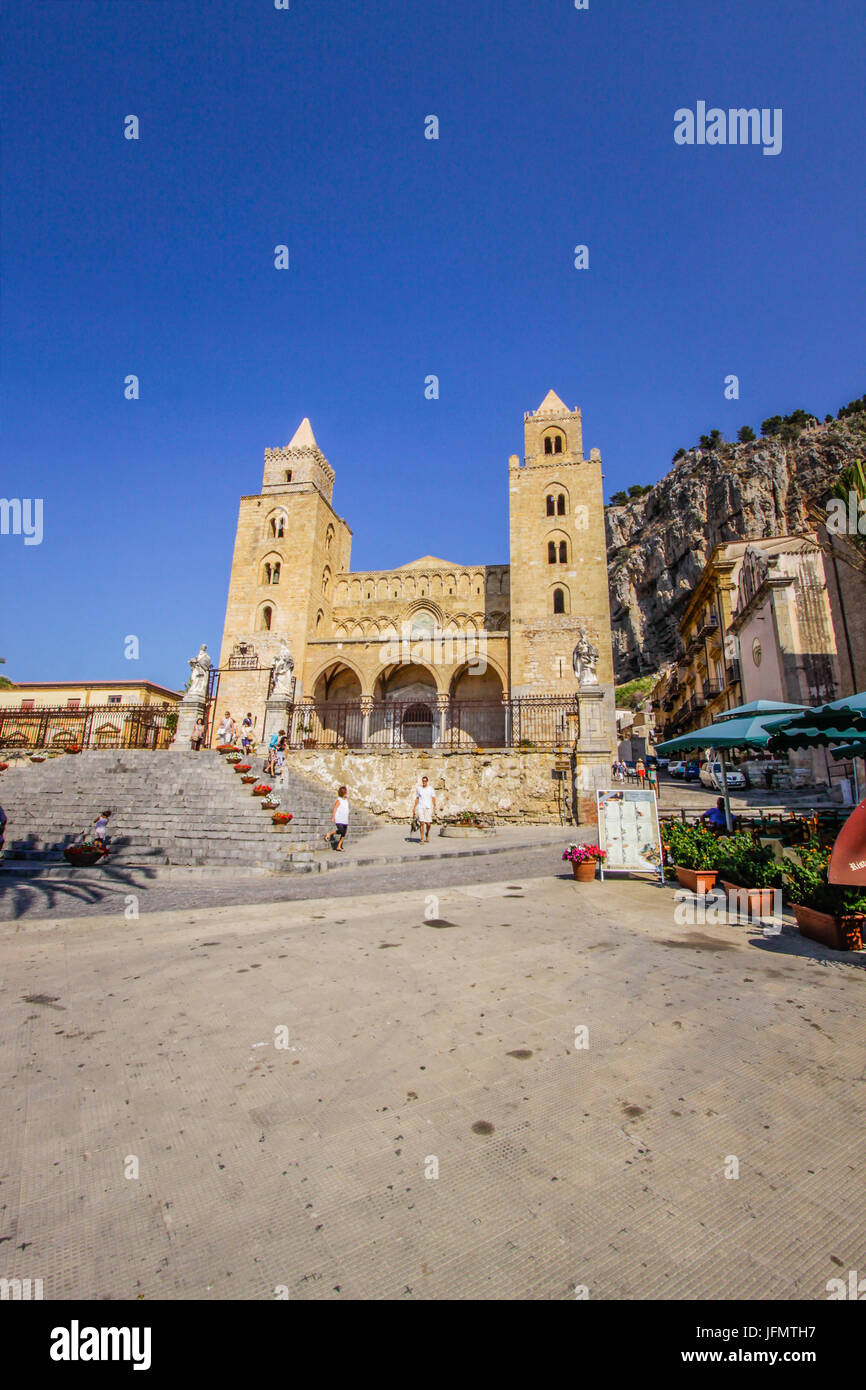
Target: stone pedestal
593	734
594	748
191	708
277	714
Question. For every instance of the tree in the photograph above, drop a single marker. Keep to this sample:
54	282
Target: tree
617	499
680	454
746	435
716	438
639	490
772	425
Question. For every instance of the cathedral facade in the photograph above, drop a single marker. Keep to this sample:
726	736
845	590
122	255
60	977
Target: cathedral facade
432	635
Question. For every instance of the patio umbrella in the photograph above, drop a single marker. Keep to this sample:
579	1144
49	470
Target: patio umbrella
751	731
838	714
760	707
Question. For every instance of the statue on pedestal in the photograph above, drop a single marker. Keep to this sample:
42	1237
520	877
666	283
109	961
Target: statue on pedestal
585	660
199	667
282	668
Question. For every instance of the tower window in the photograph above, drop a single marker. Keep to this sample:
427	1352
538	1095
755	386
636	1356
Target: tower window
267	574
558	601
275	573
548	445
267	615
560	504
277	527
557	444
551	552
551	505
289	476
553	444
563	552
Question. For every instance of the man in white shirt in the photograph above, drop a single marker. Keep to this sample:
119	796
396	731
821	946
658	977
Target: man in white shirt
424	809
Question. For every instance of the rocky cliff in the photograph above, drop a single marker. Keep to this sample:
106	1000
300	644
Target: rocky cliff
658	544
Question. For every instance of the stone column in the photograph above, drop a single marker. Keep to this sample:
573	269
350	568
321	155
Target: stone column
366	712
593	749
191	708
277	712
443	702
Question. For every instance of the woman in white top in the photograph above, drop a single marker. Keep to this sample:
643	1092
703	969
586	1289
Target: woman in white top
341	817
226	730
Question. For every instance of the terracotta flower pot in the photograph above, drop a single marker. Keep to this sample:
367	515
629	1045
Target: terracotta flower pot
701	881
758	902
839	933
84	858
585	872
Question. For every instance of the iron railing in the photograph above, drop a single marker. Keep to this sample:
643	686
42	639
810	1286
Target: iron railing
529	722
93	726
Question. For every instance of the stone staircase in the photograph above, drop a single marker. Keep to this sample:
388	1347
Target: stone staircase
167	808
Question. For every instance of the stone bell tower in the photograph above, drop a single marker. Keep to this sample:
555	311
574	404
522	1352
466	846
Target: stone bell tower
289	545
559	585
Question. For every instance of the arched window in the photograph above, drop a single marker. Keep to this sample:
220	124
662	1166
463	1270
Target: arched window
267	615
266	576
551	505
329	536
558	601
553	444
277	527
289	476
548	445
563	552
560	504
551	552
326	579
275	573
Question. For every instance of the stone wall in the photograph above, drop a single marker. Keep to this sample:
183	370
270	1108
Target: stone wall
514	786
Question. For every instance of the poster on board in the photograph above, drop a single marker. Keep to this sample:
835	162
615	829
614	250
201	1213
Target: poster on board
629	832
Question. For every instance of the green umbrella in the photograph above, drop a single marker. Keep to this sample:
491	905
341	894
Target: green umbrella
850	711
760	707
753	731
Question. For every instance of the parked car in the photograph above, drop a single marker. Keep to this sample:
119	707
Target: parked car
711	776
676	769
692	771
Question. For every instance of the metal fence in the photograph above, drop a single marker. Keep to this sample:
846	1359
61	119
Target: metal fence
531	722
93	726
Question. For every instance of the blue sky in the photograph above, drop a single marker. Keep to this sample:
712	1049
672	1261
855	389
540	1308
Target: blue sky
408	257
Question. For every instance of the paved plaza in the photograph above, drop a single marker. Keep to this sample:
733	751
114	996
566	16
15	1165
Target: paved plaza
509	1089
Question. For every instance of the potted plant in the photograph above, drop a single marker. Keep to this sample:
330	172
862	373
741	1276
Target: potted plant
73	748
694	851
747	866
827	912
271	802
37	757
3	767
234	757
84	855
227	748
262	789
242	767
248	779
583	860
281	818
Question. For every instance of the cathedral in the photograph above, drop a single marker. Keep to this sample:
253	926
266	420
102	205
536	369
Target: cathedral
450	646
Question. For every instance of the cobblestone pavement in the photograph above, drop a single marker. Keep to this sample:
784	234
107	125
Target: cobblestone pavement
434	1126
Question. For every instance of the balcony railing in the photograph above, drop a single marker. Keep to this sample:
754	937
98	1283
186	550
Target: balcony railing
732	671
712	689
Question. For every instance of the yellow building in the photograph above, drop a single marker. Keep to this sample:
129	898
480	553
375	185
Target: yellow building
706	679
395	657
100	714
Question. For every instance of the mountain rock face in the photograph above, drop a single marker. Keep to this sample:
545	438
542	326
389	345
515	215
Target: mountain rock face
658	544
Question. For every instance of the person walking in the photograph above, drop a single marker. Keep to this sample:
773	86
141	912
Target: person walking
424	809
100	831
226	730
652	779
340	818
197	736
640	769
273	745
247	733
